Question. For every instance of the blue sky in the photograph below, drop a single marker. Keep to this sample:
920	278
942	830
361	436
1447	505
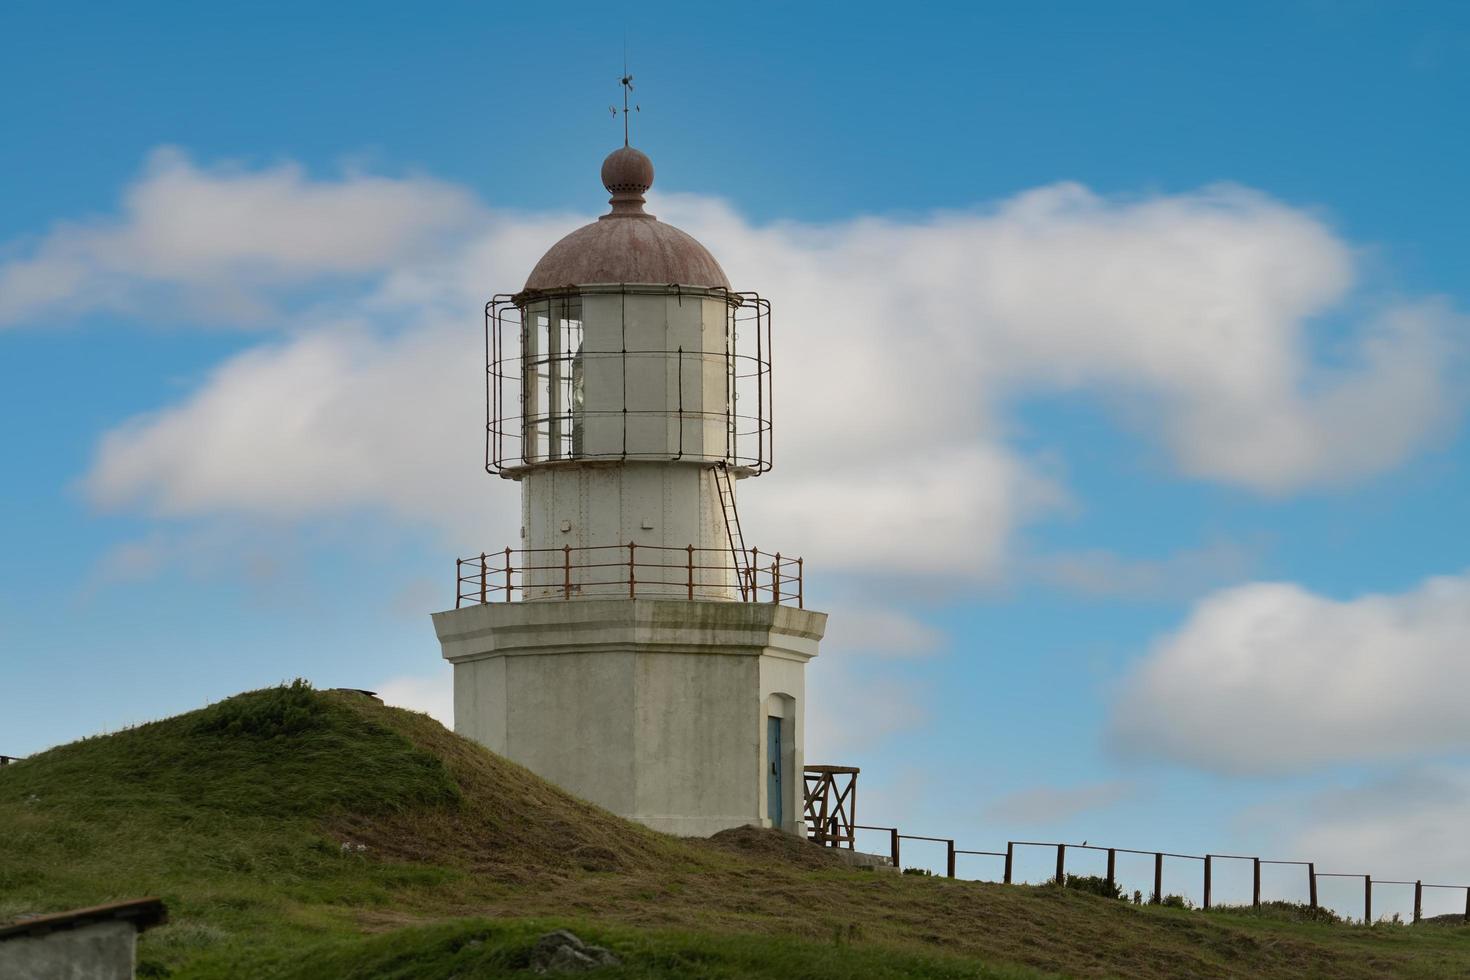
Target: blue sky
1150	317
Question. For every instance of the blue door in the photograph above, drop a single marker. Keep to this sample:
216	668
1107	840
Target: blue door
773	771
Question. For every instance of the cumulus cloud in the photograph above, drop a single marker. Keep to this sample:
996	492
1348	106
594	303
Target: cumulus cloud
1054	804
214	242
898	346
1271	678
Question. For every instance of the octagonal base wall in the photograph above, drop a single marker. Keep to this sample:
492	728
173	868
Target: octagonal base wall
657	710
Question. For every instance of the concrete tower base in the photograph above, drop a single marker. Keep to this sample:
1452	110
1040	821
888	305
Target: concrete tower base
656	709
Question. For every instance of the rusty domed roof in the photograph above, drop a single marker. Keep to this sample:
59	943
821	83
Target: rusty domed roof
627	245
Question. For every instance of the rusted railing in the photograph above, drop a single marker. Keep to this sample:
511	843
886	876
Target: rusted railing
1156	895
627	571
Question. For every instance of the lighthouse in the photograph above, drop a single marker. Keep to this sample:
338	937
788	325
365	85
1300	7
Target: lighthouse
635	646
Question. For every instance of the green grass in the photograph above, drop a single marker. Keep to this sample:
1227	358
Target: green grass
473	948
237	814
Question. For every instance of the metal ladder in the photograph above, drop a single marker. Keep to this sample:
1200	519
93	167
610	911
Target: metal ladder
741	557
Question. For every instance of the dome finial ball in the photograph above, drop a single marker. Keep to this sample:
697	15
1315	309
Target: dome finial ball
627	171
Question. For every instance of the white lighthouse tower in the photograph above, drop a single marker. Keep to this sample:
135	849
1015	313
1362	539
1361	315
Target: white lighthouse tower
631	647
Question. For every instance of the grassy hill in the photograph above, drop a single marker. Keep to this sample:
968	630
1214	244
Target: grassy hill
302	834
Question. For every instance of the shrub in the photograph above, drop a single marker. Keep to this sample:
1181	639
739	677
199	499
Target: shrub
921	872
1092	885
277	712
1287	911
1176	902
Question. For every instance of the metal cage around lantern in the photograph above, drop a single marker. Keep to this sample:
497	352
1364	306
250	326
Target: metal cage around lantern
536	363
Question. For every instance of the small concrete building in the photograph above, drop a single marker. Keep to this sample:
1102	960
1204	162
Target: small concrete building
632	648
98	943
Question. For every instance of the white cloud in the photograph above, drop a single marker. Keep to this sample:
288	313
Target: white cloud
1054	804
1403	825
433	694
1183	574
1268	678
854	706
898	344
881	632
213	242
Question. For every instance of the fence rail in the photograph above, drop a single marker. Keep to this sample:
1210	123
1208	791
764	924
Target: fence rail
628	571
895	839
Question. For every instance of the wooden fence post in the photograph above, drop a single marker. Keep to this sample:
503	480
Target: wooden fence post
1467	904
1061	864
1207	881
893	848
951	858
1112	867
1158	878
1256	885
1367	900
1312	882
1418	900
1011	852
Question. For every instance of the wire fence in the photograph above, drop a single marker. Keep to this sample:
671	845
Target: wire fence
1208	865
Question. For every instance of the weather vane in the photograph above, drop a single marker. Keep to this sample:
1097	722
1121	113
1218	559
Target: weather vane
627	82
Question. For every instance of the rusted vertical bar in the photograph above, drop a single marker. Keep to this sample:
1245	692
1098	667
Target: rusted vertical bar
1367	900
1207	881
566	571
1158	877
632	573
1256	884
1312	883
1061	864
1011	853
852	816
691	572
893	847
458	581
484	571
1418	900
950	855
776	579
800	596
751	567
1112	867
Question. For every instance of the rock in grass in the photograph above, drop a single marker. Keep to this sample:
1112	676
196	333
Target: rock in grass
562	952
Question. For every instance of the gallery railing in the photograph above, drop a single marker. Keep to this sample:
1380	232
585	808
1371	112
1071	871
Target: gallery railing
628	571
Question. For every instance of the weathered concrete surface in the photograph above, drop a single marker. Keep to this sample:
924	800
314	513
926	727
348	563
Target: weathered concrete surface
653	708
92	951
